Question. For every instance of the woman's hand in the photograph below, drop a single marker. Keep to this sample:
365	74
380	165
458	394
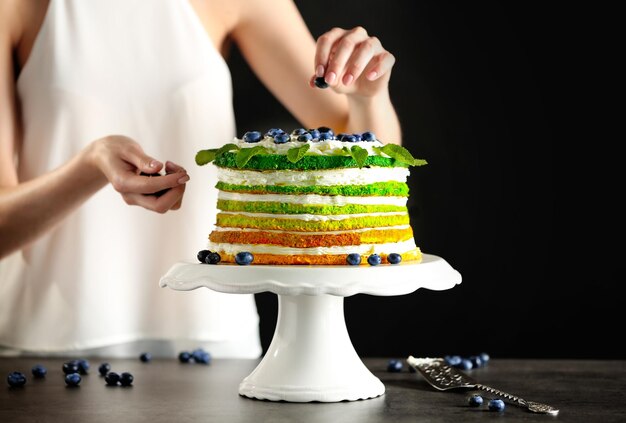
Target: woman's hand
352	62
122	162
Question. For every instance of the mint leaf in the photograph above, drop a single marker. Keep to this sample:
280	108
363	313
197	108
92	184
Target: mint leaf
400	154
245	154
296	153
205	156
358	154
226	148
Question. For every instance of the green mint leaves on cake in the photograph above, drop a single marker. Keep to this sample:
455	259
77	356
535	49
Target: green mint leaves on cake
302	149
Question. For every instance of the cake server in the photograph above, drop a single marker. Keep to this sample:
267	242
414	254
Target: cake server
443	377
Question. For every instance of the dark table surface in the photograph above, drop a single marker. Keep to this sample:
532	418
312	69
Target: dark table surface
168	391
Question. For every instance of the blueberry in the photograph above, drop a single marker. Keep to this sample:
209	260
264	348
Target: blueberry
201	356
357	137
184	357
252	136
326	130
368	136
305	137
324	136
314	133
126	379
465	364
145	357
320	82
354	259
394	366
202	254
273	132
374	260
475	400
83	366
213	258
70	367
281	138
496	405
394	258
112	378
298	131
39	371
340	136
476	361
244	258
452	360
104	369
16	379
348	138
484	357
73	379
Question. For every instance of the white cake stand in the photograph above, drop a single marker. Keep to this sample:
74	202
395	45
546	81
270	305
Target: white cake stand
311	357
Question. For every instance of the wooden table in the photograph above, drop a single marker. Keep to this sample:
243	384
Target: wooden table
169	391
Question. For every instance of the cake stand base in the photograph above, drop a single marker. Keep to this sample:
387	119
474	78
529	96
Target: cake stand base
311	341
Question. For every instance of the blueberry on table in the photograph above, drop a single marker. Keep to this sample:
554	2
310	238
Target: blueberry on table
244	258
374	260
202	255
83	366
476	361
201	356
70	367
126	379
368	136
72	379
16	379
184	357
353	259
320	82
104	369
112	378
452	360
475	400
484	357
496	405
213	258
145	357
39	371
394	258
252	136
465	364
394	366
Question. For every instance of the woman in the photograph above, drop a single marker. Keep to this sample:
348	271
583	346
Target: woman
95	93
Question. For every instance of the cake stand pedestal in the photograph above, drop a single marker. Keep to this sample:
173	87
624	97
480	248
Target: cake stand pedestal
311	357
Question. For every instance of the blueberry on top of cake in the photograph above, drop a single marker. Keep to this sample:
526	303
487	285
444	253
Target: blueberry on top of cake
311	197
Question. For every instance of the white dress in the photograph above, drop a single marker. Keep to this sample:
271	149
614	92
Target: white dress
148	70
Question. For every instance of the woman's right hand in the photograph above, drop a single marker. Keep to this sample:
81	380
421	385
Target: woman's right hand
121	161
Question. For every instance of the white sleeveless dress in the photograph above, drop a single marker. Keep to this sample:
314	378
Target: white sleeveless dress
148	70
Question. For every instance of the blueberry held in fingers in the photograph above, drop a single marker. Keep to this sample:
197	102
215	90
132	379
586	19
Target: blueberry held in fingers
320	82
158	193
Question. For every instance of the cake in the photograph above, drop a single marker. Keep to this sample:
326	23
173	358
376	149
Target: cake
311	197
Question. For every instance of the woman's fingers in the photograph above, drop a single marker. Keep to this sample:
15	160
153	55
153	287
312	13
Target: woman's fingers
171	200
325	44
361	58
379	66
341	52
131	183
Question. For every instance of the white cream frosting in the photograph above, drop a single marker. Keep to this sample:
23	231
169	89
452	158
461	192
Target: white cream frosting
364	249
349	176
313	217
245	230
318	148
312	199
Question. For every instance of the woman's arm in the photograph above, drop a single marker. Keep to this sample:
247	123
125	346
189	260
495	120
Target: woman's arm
276	42
30	208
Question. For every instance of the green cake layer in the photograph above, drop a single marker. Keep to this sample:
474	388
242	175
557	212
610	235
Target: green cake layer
269	223
288	208
391	188
280	162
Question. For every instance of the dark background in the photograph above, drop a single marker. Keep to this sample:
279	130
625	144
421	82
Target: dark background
478	88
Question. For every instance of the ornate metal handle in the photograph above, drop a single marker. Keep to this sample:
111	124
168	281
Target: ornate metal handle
535	407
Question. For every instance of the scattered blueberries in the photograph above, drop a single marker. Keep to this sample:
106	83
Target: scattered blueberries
145	357
320	82
212	258
39	371
374	260
201	356
202	254
354	259
394	258
184	357
83	366
112	378
496	405
453	360
476	361
465	364
16	379
72	379
394	366
475	400
104	369
126	379
484	357
244	258
70	367
252	136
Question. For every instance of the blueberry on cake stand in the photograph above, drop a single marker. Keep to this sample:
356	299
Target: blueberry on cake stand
311	357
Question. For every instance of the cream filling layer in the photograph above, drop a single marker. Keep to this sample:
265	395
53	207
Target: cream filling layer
314	217
348	176
318	148
312	199
383	228
394	247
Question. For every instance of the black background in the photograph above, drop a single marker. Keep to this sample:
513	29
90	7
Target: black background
478	89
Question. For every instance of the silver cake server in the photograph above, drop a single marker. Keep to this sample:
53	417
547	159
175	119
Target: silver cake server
443	377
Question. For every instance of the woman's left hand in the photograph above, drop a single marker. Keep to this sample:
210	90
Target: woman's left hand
352	62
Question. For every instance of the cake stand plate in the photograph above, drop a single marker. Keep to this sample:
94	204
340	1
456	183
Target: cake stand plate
311	357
